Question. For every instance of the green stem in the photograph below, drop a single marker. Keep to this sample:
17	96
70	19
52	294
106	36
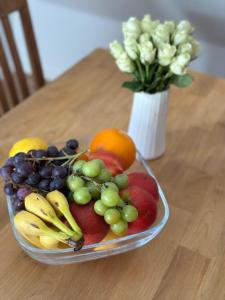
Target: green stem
147	71
67	214
140	71
59	224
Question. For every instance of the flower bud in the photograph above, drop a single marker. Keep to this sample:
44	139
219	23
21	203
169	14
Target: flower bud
161	35
125	64
116	49
180	37
185	26
144	37
177	69
131	47
147	53
185	48
132	28
165	54
171	26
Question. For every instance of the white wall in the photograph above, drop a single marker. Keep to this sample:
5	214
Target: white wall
67	30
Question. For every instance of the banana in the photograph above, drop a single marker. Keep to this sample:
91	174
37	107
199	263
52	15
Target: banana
59	202
39	206
28	224
48	242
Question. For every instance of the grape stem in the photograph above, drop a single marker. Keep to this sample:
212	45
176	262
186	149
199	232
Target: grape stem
67	157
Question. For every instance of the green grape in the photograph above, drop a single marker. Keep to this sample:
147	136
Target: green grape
77	166
121	181
100	162
91	168
105	175
112	185
119	228
82	196
129	213
110	197
100	208
93	190
112	216
74	183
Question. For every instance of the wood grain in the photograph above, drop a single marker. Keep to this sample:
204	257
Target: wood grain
187	260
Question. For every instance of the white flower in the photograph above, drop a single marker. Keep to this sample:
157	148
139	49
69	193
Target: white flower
183	59
177	69
116	49
147	53
195	47
131	47
165	54
132	28
161	35
147	25
144	37
180	37
185	48
185	26
179	64
171	26
124	63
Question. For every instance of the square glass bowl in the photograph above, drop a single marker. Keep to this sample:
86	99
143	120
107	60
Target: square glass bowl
102	249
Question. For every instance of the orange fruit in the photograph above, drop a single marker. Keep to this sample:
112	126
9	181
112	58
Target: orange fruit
116	141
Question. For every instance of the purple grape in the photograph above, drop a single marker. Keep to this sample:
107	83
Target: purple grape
6	172
44	184
10	162
40	153
33	179
72	144
17	204
46	172
24	168
17	178
37	153
52	151
23	192
59	171
69	151
57	184
8	189
19	157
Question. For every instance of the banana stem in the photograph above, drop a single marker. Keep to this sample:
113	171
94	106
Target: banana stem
59	236
59	224
72	222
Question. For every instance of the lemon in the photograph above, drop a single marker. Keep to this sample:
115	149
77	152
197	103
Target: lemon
27	144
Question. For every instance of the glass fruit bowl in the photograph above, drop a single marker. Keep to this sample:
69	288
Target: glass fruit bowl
102	249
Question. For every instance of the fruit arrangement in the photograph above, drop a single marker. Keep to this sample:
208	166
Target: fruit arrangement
69	198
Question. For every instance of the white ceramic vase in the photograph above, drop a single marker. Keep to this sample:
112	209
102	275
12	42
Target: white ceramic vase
147	124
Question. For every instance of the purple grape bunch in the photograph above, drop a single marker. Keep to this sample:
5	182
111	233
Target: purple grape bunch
36	171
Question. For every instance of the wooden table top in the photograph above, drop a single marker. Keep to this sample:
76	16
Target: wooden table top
187	260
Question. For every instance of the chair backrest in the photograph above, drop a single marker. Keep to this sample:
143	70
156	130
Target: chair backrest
6	8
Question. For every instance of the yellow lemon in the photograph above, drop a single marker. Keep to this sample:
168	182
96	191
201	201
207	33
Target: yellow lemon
27	144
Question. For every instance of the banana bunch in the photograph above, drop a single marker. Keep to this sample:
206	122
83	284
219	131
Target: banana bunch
30	223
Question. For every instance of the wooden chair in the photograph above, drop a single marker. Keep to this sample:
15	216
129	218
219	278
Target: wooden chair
22	90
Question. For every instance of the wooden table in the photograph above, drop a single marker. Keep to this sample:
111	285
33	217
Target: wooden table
187	261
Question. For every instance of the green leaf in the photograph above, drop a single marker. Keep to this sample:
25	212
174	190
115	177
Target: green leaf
134	86
183	81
